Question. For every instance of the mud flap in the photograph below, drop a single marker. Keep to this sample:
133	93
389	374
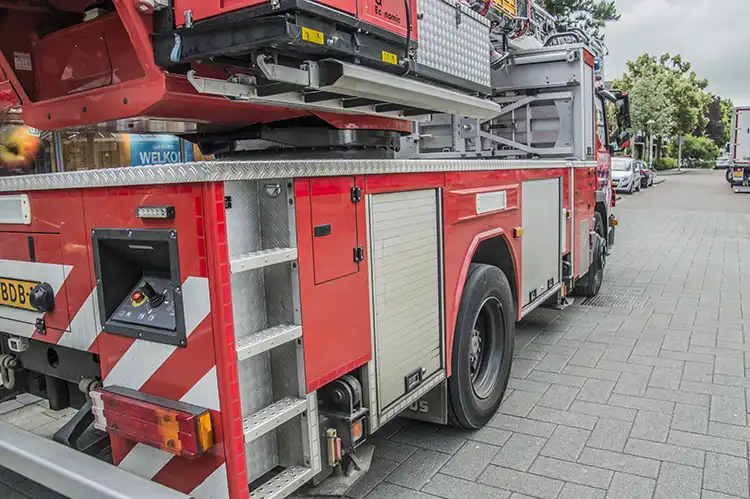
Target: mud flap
432	407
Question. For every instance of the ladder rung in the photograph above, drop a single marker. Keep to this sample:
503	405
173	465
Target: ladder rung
283	484
262	258
272	417
267	339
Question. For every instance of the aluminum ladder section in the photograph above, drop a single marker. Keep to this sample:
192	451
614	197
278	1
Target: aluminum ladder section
279	417
340	87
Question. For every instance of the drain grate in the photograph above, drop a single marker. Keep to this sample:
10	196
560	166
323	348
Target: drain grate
616	301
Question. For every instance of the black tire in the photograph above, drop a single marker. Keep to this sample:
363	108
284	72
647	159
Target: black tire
486	319
729	176
632	188
591	283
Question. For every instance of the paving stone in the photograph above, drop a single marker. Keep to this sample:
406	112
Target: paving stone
651	426
416	471
604	411
528	385
586	357
450	487
596	390
726	474
390	491
520	403
665	452
487	435
632	384
589	372
617	461
647	346
470	460
712	389
623	367
690	418
678	396
572	472
728	410
521	425
656	361
553	363
678	481
575	491
519	452
559	397
520	368
709	494
610	434
626	486
664	377
630	402
584	421
566	443
428	440
379	470
729	431
390	450
617	353
558	379
708	443
523	483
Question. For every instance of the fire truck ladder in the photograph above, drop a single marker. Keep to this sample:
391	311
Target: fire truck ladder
334	86
279	417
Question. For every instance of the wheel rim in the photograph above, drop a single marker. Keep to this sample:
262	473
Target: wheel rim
486	347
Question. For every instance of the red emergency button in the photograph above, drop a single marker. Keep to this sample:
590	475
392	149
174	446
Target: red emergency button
137	297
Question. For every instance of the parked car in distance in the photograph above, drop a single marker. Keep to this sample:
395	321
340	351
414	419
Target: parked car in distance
626	177
648	174
722	162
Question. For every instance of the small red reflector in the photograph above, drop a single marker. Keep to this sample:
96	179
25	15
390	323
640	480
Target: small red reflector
176	427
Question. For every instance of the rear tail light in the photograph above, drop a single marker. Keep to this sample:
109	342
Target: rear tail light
182	429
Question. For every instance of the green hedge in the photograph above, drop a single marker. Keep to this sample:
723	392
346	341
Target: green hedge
665	164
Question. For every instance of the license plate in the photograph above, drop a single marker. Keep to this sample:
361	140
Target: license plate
738	175
15	293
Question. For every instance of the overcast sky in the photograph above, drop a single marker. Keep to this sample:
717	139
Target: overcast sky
713	35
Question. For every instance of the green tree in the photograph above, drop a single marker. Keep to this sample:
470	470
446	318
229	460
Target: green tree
590	15
671	77
700	150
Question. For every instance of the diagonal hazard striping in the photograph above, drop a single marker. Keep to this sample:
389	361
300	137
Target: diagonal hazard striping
616	301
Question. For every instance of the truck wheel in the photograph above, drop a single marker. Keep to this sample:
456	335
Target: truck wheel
482	348
591	283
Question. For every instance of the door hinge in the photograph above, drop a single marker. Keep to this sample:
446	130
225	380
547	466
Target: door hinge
356	194
359	254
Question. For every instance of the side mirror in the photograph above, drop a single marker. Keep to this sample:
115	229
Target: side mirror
623	111
623	140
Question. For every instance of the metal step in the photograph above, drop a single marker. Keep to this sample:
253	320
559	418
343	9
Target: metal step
267	339
283	484
262	258
331	77
272	417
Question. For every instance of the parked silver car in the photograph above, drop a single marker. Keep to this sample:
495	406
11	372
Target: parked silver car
626	176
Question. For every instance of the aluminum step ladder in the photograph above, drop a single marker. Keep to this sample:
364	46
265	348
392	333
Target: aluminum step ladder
335	86
280	420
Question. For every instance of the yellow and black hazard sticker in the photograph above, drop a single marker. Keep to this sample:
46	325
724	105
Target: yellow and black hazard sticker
313	36
389	58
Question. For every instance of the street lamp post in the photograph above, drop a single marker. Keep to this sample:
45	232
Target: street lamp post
650	125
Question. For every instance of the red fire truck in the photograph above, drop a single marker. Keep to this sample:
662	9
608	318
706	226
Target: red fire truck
396	184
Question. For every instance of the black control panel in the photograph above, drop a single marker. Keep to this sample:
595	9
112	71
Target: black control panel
138	282
150	303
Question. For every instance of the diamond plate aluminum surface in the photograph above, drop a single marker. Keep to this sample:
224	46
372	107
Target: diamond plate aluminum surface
224	171
616	301
454	39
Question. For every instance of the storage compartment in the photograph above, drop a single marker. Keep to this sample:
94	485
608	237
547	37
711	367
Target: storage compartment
405	247
334	223
541	241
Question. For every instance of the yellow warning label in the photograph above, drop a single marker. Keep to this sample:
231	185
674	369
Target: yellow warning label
389	58
312	36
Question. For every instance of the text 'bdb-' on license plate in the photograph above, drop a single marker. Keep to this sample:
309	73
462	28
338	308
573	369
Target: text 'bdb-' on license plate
15	293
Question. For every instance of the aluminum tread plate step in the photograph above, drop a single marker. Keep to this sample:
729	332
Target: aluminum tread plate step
267	339
272	417
283	484
262	258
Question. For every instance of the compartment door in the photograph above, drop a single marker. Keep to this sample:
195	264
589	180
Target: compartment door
405	253
334	222
541	207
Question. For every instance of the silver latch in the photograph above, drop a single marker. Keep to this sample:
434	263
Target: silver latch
18	344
